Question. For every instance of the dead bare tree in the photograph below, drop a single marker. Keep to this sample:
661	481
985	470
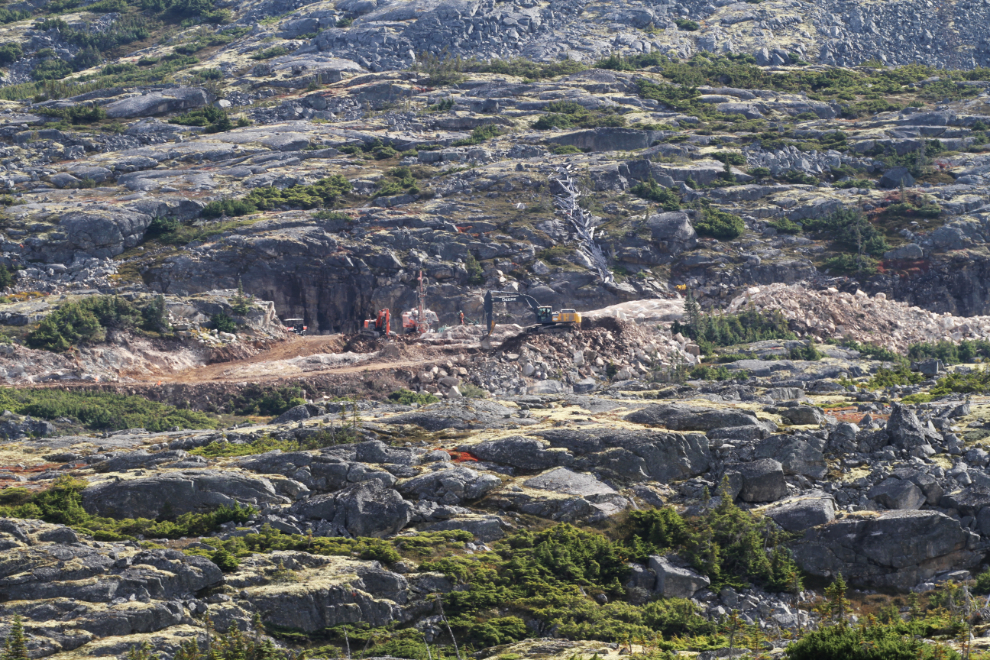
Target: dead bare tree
566	202
449	629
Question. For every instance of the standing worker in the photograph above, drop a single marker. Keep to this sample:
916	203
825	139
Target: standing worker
461	313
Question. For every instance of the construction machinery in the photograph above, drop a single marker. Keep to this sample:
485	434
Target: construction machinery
420	319
545	316
295	325
379	326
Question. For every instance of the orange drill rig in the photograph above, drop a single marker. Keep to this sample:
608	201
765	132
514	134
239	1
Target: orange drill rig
420	319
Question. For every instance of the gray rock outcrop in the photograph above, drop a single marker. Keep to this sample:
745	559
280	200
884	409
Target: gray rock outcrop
364	509
176	493
801	513
759	481
896	549
674	581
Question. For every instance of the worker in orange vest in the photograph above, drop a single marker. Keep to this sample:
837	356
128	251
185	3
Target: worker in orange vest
462	317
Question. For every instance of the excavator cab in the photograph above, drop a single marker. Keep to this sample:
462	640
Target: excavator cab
378	326
545	315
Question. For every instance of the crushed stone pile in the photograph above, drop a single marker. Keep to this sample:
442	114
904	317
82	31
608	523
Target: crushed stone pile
563	360
877	320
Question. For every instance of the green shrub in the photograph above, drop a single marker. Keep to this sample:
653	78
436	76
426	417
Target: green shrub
975	382
615	62
867	642
384	152
7	277
10	53
83	322
794	176
120	67
472	391
223	323
967	350
154	316
564	149
928	209
325	192
853	183
475	273
444	105
729	157
126	29
225	561
900	375
230	643
77	114
228	207
714	330
329	436
705	372
552	575
725	543
107	7
785	226
60	6
13	15
62	505
480	134
203	9
725	358
653	191
102	411
982	585
870	107
406	397
808	351
264	444
268	401
718	224
687	24
86	58
850	231
568	114
873	351
526	68
268	53
398	180
214	119
162	226
209	74
51	69
441	70
851	263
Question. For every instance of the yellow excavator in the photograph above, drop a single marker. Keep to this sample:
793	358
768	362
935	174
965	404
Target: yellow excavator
544	313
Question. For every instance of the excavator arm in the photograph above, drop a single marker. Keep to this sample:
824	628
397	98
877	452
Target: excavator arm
493	297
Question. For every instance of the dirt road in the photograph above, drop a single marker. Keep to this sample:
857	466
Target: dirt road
408	356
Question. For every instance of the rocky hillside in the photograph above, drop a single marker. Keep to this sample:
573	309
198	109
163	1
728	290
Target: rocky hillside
770	424
267	147
534	523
